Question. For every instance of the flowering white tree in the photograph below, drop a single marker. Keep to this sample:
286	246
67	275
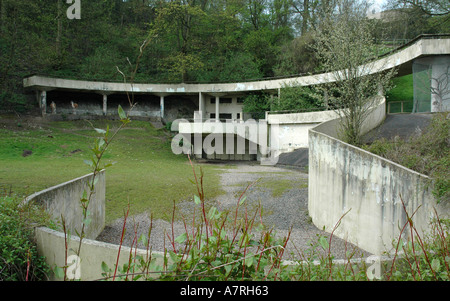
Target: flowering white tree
345	47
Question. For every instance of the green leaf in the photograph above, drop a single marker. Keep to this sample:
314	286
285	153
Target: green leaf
121	112
89	162
87	221
197	200
435	264
143	239
101	142
181	239
105	267
59	272
100	131
228	269
323	242
249	260
175	258
212	213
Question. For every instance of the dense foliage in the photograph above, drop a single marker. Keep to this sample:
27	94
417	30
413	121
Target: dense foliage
188	40
19	260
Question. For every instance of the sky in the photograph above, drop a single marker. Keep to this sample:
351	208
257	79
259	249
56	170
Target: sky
377	6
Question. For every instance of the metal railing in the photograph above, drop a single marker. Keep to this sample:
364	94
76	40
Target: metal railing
391	110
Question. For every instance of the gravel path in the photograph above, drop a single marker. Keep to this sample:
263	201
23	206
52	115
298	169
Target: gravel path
282	193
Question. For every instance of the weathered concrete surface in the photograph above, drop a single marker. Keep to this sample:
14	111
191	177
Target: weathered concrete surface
51	245
370	189
292	129
65	200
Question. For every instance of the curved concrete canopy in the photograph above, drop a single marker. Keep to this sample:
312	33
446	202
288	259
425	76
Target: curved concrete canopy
402	58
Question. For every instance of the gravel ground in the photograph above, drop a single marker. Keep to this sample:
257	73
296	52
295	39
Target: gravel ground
284	202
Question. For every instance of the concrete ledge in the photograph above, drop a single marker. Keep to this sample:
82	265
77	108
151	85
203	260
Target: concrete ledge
51	244
423	46
64	199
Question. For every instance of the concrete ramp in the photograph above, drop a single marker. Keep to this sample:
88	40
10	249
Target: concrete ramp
296	158
401	125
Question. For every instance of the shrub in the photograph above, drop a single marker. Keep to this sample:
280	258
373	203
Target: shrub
427	153
19	260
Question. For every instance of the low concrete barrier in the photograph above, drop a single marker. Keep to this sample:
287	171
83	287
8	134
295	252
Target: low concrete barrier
57	247
64	200
344	178
88	266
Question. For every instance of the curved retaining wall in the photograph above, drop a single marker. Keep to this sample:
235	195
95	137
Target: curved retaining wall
64	199
344	178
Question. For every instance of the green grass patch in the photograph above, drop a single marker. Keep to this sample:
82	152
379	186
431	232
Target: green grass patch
277	186
403	90
145	171
280	186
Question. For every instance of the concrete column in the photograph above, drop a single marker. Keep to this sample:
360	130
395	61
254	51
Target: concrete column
217	107
201	106
161	104
105	104
43	102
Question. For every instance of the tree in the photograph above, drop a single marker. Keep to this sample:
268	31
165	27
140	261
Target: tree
297	56
176	26
411	18
345	47
430	7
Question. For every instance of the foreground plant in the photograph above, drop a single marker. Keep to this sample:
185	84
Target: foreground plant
19	259
422	258
224	245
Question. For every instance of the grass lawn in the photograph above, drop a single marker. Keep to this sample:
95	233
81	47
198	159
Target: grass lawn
403	90
146	172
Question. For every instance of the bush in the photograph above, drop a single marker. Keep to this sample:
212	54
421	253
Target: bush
428	153
14	102
257	104
299	99
19	260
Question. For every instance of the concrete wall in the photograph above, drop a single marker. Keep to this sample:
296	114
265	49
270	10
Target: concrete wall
343	177
64	199
234	108
292	129
51	244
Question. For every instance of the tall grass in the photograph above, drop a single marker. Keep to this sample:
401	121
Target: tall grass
234	245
